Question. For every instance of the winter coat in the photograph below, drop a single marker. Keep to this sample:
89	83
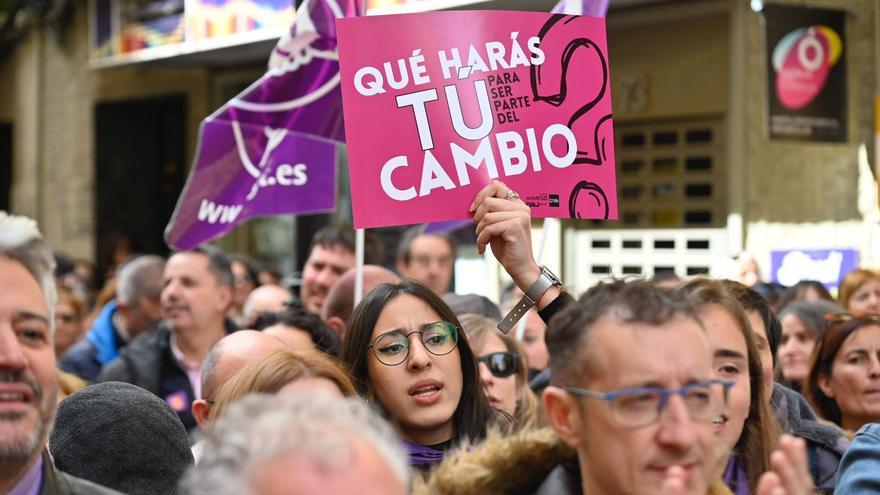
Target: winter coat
861	464
529	462
57	482
100	346
826	443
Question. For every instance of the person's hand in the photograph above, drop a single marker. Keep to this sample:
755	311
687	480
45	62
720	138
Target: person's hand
791	470
504	224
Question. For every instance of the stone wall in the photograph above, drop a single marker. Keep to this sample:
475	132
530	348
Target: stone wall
49	93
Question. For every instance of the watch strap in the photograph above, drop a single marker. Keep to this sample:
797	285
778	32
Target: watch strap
515	314
545	280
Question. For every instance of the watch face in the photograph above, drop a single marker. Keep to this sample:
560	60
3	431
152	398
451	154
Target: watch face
552	276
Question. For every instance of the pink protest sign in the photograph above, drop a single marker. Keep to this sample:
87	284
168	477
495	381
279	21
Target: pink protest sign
438	104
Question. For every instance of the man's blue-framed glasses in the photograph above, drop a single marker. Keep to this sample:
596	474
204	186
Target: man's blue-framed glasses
641	406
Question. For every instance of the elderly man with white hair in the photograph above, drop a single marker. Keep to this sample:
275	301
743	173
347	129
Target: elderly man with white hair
28	387
300	444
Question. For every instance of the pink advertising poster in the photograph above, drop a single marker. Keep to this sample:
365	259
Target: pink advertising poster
438	104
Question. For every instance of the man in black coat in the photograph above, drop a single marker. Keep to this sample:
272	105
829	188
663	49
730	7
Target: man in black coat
167	361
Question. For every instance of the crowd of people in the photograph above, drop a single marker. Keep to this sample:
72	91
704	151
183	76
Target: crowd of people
194	374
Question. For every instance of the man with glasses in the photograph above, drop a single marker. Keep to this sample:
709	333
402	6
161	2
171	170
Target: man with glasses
633	394
633	391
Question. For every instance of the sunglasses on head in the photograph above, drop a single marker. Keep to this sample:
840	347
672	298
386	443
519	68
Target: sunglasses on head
501	364
833	319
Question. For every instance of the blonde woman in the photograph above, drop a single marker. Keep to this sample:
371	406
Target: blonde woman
283	371
503	370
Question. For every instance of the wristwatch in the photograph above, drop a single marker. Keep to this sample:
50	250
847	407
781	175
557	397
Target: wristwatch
545	280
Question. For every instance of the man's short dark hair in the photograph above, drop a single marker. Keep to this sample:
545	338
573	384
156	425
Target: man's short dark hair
251	267
404	249
339	235
628	302
323	337
218	263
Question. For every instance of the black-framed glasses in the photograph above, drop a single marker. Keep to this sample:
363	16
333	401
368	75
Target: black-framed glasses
641	406
501	364
392	348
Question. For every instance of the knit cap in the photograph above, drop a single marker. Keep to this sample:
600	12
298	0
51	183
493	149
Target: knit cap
120	436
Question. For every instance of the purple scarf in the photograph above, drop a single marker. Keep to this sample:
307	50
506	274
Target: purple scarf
735	478
420	456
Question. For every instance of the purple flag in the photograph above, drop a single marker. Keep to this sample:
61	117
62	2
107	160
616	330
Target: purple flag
594	8
446	226
271	150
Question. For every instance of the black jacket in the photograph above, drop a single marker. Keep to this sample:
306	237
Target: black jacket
147	362
826	443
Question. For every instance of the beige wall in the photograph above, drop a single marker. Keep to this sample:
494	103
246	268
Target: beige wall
682	52
697	58
804	194
803	182
49	93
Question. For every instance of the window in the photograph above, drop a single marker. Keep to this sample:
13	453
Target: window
671	175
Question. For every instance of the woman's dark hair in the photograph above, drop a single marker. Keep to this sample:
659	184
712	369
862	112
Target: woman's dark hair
811	314
473	414
798	292
822	362
760	434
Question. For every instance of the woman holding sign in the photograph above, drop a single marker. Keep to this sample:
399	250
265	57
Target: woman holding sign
408	355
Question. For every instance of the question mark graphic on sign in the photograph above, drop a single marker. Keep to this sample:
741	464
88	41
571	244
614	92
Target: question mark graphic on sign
561	41
588	200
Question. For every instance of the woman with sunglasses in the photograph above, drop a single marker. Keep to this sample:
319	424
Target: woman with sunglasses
503	371
844	380
408	356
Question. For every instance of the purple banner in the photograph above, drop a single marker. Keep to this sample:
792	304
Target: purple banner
828	266
271	150
447	226
595	8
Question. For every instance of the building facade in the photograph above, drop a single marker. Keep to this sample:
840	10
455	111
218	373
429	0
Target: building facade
96	150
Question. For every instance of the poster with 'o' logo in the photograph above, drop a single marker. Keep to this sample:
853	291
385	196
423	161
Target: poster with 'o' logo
438	104
806	73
